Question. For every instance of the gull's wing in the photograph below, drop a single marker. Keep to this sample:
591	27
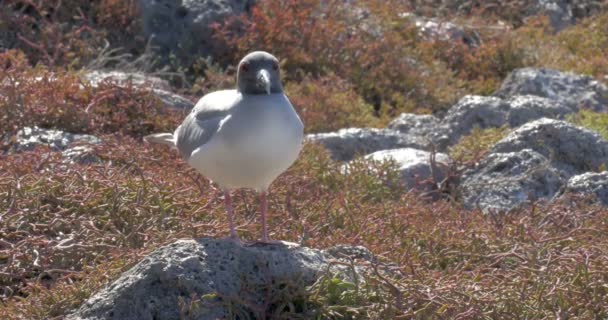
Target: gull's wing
204	120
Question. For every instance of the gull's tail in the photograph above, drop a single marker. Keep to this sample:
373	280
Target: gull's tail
162	138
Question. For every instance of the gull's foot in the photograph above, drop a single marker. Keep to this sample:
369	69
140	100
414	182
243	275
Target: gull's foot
266	242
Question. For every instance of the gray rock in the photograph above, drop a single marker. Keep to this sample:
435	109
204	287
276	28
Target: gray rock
505	181
95	77
416	124
74	147
84	155
30	137
474	111
532	162
569	148
433	29
415	166
527	108
573	90
184	27
564	13
590	183
159	87
345	144
232	281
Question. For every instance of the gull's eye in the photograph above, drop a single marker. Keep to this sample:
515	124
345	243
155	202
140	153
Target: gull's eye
245	67
275	66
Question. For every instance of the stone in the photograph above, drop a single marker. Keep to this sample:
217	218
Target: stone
527	108
573	90
184	27
564	13
474	111
569	148
590	183
433	29
232	281
532	162
416	124
30	137
506	181
345	144
158	86
75	148
415	166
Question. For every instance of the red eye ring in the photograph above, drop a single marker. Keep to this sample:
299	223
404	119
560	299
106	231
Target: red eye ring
275	66
244	67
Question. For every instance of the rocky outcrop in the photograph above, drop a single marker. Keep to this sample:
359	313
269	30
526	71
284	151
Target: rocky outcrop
573	90
433	29
417	170
345	144
590	183
75	148
158	86
570	149
184	27
533	162
505	181
220	278
564	13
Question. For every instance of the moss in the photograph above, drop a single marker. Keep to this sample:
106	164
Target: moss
596	121
477	143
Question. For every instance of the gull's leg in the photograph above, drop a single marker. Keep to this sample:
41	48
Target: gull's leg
228	203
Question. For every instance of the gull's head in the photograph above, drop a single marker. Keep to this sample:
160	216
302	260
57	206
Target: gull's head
258	73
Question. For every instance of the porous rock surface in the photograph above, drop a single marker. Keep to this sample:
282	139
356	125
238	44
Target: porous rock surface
158	86
433	29
415	167
223	272
505	181
186	26
345	144
570	148
595	183
75	148
574	90
533	162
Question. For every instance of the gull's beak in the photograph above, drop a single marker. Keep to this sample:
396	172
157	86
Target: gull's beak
263	80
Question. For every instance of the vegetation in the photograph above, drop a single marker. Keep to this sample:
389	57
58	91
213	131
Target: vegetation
65	231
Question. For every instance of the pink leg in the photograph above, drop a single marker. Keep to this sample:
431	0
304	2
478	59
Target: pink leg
264	207
228	203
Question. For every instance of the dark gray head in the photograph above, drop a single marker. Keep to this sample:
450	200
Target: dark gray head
258	73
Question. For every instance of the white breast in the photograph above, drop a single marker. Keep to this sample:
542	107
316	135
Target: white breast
258	141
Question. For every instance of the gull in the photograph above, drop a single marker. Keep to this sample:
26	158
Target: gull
244	137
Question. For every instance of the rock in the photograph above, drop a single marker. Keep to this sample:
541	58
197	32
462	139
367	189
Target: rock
524	109
474	111
569	148
184	27
232	281
95	77
590	183
505	181
564	13
415	166
416	124
345	144
532	162
159	87
433	29
574	91
30	137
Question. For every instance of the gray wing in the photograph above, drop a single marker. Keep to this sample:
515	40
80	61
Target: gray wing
203	122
